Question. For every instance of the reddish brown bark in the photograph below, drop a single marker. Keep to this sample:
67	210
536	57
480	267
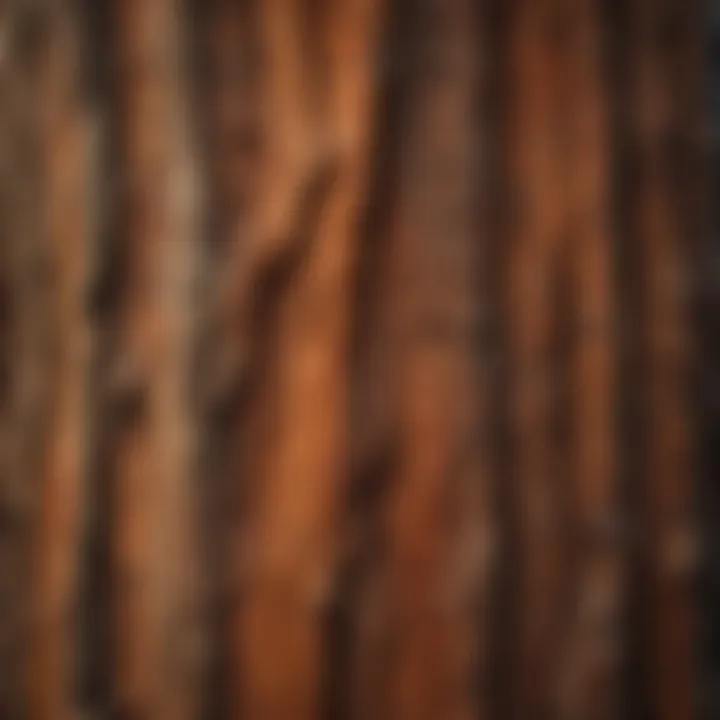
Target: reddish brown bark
306	223
151	454
65	162
663	41
229	83
339	281
438	518
536	233
26	360
588	679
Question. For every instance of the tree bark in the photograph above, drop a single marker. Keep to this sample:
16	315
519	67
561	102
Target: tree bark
151	453
26	355
64	151
663	39
536	235
589	669
303	241
439	520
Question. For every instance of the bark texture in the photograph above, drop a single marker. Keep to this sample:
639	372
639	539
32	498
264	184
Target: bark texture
350	360
151	439
64	158
662	227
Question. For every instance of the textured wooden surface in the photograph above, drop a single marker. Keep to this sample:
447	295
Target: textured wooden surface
348	352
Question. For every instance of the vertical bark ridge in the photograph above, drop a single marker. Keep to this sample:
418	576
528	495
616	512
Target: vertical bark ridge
439	523
152	444
28	351
588	674
662	44
57	540
308	225
536	234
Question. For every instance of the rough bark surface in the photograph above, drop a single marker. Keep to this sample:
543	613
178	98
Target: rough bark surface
438	517
536	234
303	231
349	360
151	441
662	50
64	157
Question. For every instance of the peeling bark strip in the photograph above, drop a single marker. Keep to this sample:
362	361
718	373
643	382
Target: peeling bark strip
588	683
438	515
662	43
64	157
536	232
307	224
152	439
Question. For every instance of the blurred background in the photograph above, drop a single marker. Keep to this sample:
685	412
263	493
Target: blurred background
359	359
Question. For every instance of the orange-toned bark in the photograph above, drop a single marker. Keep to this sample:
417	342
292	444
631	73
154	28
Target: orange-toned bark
305	230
